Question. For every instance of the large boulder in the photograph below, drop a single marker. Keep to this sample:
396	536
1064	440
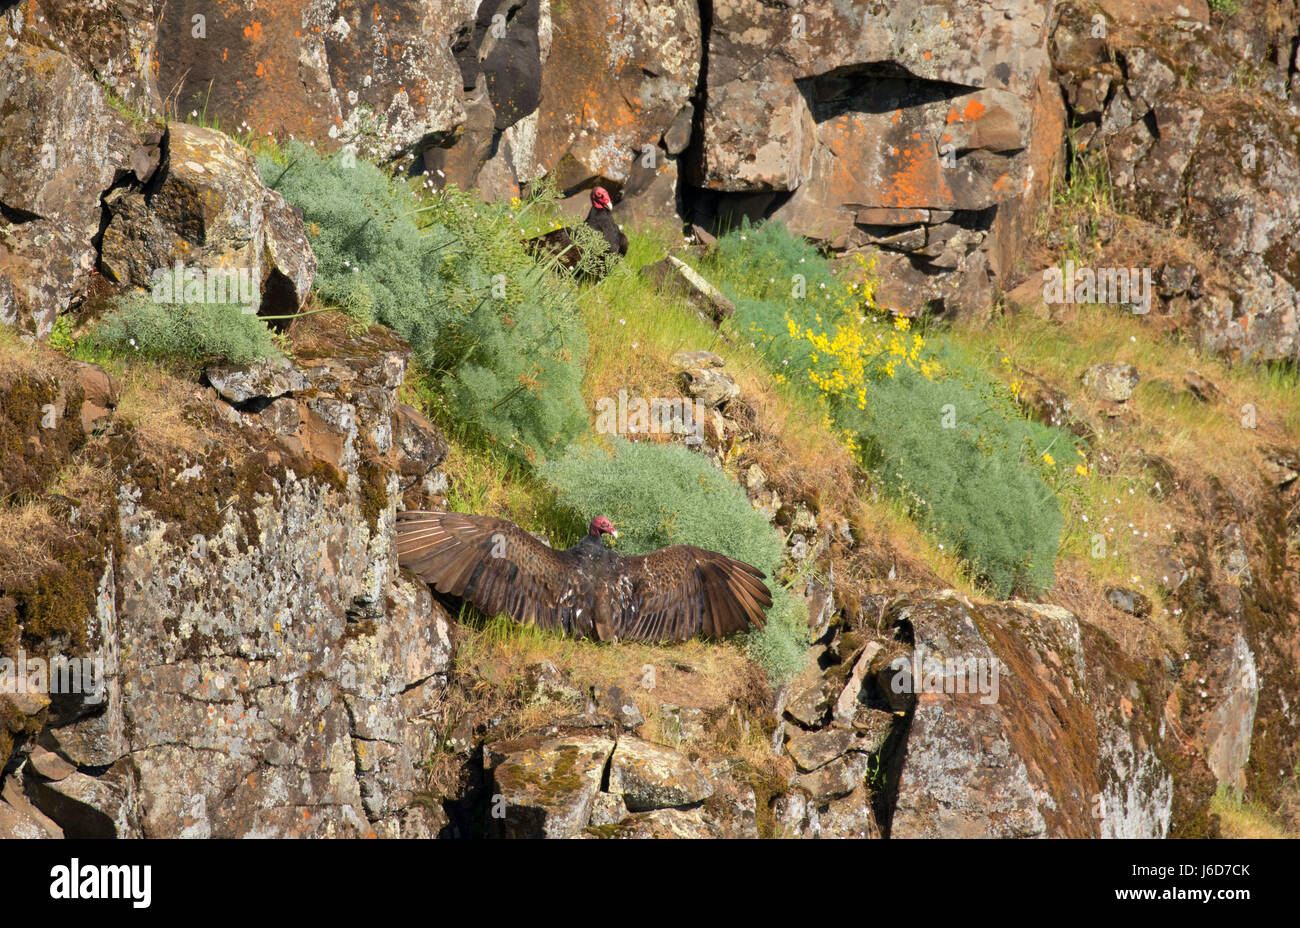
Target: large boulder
618	76
547	788
652	777
208	212
44	270
379	76
62	146
1002	742
922	138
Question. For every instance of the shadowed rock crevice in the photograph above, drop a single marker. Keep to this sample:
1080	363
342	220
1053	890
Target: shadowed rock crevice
15	216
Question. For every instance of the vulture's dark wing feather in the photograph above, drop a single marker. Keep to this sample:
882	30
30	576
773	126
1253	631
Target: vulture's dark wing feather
497	566
682	591
558	242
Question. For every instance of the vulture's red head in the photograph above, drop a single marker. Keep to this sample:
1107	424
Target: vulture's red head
602	526
600	198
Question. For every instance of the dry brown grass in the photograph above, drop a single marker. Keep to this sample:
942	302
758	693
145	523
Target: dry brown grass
161	410
1125	496
494	657
14	353
88	485
1243	819
24	533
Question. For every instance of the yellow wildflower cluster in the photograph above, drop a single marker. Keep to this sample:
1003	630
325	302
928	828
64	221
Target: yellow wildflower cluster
853	349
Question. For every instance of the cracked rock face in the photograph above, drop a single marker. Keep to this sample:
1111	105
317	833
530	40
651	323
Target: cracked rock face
379	75
61	146
113	41
266	670
547	789
1200	138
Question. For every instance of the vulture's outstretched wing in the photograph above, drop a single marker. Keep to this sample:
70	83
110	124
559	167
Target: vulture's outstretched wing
682	591
671	594
497	566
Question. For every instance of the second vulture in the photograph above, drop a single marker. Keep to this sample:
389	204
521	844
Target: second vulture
562	243
589	591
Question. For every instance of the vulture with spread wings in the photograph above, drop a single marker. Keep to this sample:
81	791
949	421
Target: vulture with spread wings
671	594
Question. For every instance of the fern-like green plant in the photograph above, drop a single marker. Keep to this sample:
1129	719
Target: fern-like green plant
451	275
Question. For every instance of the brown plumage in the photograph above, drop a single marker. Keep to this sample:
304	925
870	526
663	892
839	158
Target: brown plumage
671	594
600	217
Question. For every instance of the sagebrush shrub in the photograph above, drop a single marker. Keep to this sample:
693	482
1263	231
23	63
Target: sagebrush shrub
451	275
197	333
660	495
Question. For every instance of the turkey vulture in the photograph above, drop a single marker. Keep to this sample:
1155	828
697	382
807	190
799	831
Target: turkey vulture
671	594
561	242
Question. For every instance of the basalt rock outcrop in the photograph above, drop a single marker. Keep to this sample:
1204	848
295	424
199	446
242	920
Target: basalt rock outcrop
920	134
925	136
224	552
96	199
265	670
1194	121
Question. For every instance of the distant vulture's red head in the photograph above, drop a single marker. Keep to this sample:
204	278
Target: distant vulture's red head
600	198
602	526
